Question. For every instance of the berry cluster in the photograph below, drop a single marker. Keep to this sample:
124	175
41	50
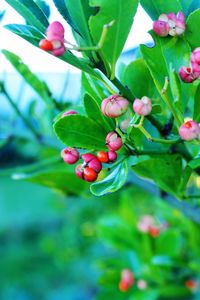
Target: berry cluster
170	24
54	41
147	224
127	280
190	74
92	165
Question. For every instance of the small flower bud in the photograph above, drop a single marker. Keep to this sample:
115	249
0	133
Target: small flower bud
186	74
113	141
69	112
92	162
190	130
145	223
70	155
161	28
112	156
142	107
114	106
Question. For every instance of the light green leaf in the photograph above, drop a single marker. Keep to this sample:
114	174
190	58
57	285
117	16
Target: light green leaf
192	31
135	72
122	12
31	12
113	182
81	132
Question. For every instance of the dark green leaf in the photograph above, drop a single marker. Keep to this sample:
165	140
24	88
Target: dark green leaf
122	12
44	7
62	8
161	170
81	132
31	12
196	113
113	182
155	8
192	32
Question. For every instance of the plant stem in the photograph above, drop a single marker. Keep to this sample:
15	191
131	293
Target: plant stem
18	112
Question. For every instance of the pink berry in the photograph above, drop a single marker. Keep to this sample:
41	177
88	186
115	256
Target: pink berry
58	52
70	155
142	107
112	156
79	171
195	70
161	28
127	276
92	162
69	112
186	74
141	284
190	130
56	28
114	106
195	57
113	141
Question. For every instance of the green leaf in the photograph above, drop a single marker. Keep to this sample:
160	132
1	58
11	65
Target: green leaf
80	14
135	72
196	113
122	12
169	243
62	8
93	111
194	163
161	170
113	182
52	173
31	12
81	132
27	32
39	86
195	4
155	8
44	7
192	29
93	87
176	89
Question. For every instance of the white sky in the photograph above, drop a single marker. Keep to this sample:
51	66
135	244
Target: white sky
38	60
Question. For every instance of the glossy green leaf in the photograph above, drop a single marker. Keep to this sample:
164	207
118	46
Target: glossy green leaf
192	32
93	111
44	7
38	85
27	32
63	10
194	163
155	8
161	170
135	72
93	87
80	14
196	113
81	132
122	13
113	182
169	243
31	12
194	4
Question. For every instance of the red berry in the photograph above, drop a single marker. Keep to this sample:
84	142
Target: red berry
103	156
154	232
89	174
70	155
191	284
112	156
123	286
46	45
